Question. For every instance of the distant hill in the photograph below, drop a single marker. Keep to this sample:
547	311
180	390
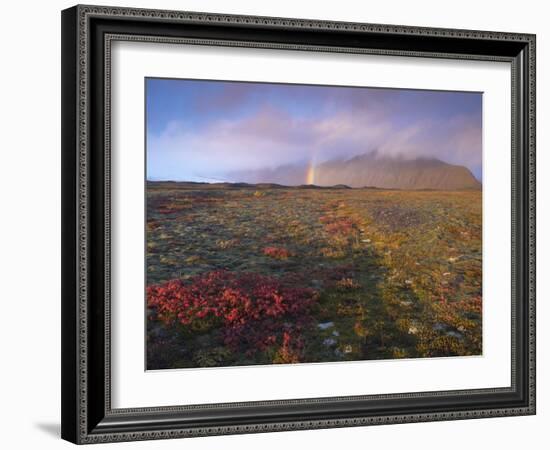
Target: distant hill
370	170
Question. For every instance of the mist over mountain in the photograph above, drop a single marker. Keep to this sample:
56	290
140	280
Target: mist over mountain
368	170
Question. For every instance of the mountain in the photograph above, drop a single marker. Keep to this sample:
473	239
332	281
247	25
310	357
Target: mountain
369	170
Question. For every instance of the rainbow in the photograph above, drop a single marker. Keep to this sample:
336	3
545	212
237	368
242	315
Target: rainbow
310	175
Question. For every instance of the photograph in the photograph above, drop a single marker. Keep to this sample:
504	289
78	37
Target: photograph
301	223
272	222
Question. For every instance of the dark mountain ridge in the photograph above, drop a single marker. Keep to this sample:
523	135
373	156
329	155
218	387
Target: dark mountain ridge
369	170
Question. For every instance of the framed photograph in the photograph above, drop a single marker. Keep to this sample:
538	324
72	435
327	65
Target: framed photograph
277	224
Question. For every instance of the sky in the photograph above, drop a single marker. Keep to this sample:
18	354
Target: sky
200	130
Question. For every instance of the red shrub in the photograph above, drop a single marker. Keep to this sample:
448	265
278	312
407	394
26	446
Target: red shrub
277	252
340	226
290	350
471	304
254	311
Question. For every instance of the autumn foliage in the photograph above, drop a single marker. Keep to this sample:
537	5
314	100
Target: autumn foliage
277	252
255	312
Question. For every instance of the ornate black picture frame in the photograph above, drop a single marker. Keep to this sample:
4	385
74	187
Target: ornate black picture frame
87	34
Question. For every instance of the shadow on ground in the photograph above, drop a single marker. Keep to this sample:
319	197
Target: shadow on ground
52	429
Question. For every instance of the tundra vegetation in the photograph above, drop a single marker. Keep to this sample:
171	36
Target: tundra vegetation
261	274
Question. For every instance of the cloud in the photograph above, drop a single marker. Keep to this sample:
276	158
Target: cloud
233	95
267	139
245	127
